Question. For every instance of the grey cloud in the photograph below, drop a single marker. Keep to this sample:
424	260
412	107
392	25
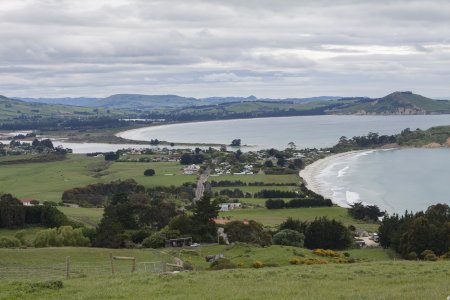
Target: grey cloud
204	48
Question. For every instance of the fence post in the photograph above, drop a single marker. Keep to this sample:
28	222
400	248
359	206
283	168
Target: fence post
112	263
133	266
67	267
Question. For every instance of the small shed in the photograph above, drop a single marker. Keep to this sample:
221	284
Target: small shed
179	242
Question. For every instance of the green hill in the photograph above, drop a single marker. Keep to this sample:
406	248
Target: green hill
11	109
397	103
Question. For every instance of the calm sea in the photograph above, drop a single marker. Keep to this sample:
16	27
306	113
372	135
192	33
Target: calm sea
309	131
395	180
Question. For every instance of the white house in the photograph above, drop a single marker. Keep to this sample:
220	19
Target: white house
229	206
192	169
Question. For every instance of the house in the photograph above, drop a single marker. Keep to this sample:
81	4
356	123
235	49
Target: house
28	202
192	169
179	242
229	206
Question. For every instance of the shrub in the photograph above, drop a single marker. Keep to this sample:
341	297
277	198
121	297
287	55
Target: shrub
325	252
257	264
222	263
149	172
289	237
411	255
156	240
252	233
428	255
50	284
425	253
313	261
7	242
62	236
295	261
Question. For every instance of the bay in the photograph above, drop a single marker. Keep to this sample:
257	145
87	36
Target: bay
395	180
305	131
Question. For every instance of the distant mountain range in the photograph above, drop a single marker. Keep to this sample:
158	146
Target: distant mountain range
177	108
144	102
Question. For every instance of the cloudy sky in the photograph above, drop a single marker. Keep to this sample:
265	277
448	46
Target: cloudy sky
283	48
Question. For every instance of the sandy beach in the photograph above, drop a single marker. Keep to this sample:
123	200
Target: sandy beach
310	172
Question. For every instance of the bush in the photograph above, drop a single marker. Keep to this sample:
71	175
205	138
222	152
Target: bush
313	261
222	263
295	261
156	240
257	264
252	233
289	237
62	236
325	252
428	255
7	242
149	172
412	256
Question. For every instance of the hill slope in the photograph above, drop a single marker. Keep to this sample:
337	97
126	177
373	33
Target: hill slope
397	103
11	109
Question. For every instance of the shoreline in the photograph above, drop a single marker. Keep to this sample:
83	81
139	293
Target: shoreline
309	173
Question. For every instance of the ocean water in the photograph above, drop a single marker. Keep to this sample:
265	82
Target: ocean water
307	131
395	180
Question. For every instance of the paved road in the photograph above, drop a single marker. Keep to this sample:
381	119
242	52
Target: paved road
200	190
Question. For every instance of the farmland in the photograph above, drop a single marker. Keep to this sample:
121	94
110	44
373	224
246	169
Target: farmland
47	181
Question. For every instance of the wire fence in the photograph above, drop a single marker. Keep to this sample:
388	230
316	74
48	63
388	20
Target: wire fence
73	269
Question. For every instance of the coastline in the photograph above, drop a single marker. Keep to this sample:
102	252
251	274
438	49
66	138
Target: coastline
310	172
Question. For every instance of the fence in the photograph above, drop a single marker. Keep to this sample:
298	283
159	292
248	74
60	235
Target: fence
74	269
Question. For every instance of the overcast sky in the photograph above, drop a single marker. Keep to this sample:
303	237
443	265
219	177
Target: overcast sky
279	48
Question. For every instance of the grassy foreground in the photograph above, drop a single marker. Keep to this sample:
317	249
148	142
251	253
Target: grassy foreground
385	280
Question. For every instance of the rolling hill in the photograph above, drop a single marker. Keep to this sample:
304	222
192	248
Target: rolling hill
397	103
12	109
138	102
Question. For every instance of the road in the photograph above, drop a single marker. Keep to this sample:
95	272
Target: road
200	190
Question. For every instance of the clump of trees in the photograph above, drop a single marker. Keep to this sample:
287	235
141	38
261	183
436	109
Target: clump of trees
363	212
372	140
100	194
297	203
191	158
412	234
251	233
320	233
275	194
13	214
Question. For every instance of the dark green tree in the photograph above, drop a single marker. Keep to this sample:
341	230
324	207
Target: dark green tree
327	234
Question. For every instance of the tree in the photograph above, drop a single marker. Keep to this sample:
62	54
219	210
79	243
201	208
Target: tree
327	234
111	156
252	233
204	212
289	237
12	212
281	161
292	224
235	143
268	164
149	172
156	240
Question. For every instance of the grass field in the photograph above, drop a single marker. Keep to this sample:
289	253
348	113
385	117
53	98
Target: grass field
89	216
274	217
380	280
47	181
